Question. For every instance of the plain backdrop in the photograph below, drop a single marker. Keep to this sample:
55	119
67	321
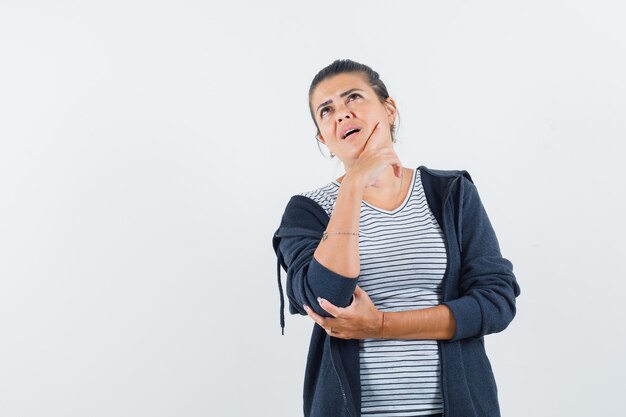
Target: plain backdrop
148	150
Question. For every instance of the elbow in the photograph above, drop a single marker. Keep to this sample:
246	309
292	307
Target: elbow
305	286
322	282
477	315
508	314
498	315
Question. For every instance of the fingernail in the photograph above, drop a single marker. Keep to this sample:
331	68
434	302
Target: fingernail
320	300
306	307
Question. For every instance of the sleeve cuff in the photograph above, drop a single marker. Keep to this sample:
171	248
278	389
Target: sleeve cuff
467	316
336	288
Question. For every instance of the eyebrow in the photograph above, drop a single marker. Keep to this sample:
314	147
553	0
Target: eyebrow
345	93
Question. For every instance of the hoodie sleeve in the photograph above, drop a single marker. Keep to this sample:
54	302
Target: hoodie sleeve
295	242
488	287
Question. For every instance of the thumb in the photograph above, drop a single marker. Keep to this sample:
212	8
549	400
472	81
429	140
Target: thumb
358	291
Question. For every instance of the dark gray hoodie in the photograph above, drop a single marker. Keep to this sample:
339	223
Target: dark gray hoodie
479	287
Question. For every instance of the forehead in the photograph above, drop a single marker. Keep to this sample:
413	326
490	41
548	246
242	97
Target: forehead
330	88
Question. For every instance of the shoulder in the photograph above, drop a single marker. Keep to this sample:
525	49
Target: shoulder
445	174
303	217
303	211
310	210
325	196
439	183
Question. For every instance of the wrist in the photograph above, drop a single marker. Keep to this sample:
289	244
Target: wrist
353	182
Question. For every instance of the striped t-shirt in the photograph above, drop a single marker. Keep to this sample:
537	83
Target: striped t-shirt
403	260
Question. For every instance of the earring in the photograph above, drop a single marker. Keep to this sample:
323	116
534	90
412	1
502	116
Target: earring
332	155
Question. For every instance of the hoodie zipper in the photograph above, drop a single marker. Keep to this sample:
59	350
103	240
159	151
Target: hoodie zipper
441	350
443	288
443	395
343	393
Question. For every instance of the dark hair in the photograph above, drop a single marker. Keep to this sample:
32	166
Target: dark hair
341	66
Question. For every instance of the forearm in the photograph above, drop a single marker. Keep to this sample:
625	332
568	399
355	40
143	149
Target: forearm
435	323
340	252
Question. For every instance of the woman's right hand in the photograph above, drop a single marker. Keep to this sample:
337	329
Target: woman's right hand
376	156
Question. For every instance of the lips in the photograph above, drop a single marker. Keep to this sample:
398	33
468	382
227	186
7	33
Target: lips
348	131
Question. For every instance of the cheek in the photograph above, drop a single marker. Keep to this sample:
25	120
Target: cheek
366	110
326	131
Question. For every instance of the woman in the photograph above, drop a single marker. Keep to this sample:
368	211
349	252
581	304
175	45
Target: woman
408	339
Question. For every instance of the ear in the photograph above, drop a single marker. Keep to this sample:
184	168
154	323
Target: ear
392	113
321	138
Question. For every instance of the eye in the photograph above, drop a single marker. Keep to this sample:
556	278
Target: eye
350	97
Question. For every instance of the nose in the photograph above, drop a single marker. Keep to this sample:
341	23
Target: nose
343	114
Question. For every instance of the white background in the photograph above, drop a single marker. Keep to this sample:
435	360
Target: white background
148	149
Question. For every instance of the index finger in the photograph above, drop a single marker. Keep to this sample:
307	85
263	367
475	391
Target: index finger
330	307
376	138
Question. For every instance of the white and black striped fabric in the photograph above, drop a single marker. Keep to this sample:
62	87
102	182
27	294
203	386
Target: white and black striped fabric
403	260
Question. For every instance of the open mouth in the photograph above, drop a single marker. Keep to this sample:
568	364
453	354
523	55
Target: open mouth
351	132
